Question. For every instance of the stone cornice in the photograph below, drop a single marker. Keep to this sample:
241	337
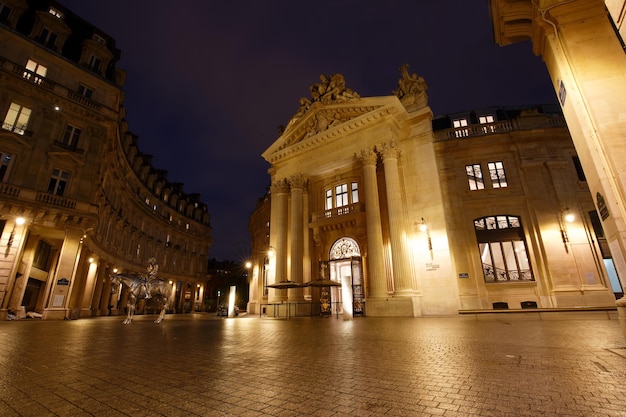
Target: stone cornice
298	138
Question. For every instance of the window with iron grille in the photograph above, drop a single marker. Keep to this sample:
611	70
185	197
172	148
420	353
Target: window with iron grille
502	248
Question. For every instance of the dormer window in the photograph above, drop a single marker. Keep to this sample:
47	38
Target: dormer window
458	124
95	64
54	12
47	37
487	119
49	29
99	39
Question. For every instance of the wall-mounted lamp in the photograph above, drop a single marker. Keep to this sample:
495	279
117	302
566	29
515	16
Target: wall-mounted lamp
115	270
566	217
18	222
271	251
423	226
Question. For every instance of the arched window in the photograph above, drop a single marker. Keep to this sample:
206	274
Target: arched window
344	248
502	249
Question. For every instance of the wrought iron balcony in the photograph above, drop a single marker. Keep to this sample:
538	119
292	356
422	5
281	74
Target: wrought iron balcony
338	213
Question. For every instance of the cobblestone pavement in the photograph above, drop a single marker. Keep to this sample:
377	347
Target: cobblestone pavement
203	365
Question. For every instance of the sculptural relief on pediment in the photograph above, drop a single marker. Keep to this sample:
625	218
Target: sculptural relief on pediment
331	89
332	104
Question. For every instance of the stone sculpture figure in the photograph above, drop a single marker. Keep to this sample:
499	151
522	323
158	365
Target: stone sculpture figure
329	90
411	88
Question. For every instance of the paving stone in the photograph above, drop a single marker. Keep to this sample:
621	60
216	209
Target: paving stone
202	365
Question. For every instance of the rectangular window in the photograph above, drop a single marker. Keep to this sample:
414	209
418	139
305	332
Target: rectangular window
341	195
355	192
475	177
487	119
47	37
58	182
71	136
329	199
498	177
85	91
99	39
16	119
5	12
95	63
54	12
35	71
459	123
6	160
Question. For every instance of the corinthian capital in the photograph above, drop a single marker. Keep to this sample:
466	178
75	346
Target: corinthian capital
367	156
297	181
389	150
279	187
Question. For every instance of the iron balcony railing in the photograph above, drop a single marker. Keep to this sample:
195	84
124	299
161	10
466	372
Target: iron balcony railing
337	212
43	82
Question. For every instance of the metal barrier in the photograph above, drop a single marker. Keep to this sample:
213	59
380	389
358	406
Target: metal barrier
315	309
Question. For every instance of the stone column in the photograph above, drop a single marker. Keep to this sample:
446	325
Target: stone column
278	236
89	288
397	219
306	246
105	299
376	264
65	275
297	183
97	294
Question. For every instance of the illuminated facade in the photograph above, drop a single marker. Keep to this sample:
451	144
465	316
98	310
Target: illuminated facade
77	197
424	216
582	45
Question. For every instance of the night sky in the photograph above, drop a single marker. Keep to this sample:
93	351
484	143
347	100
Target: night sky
209	82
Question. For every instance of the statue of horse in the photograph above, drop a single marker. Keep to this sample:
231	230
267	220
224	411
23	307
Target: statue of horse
156	288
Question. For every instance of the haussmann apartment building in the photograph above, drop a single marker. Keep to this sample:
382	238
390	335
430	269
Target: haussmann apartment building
78	200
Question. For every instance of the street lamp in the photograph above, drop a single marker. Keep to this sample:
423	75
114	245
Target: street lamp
248	266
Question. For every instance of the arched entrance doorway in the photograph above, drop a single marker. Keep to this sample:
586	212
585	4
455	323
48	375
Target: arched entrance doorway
344	266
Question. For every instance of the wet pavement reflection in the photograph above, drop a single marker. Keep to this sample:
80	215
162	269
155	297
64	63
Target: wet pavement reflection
203	365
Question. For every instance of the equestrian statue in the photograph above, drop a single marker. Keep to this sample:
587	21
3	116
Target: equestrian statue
144	286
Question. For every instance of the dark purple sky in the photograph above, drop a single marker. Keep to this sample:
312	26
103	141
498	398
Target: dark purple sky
209	82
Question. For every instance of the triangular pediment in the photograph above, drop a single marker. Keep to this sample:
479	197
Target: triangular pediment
325	121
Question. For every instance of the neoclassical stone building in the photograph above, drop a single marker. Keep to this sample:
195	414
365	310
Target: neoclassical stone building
424	216
582	45
78	200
